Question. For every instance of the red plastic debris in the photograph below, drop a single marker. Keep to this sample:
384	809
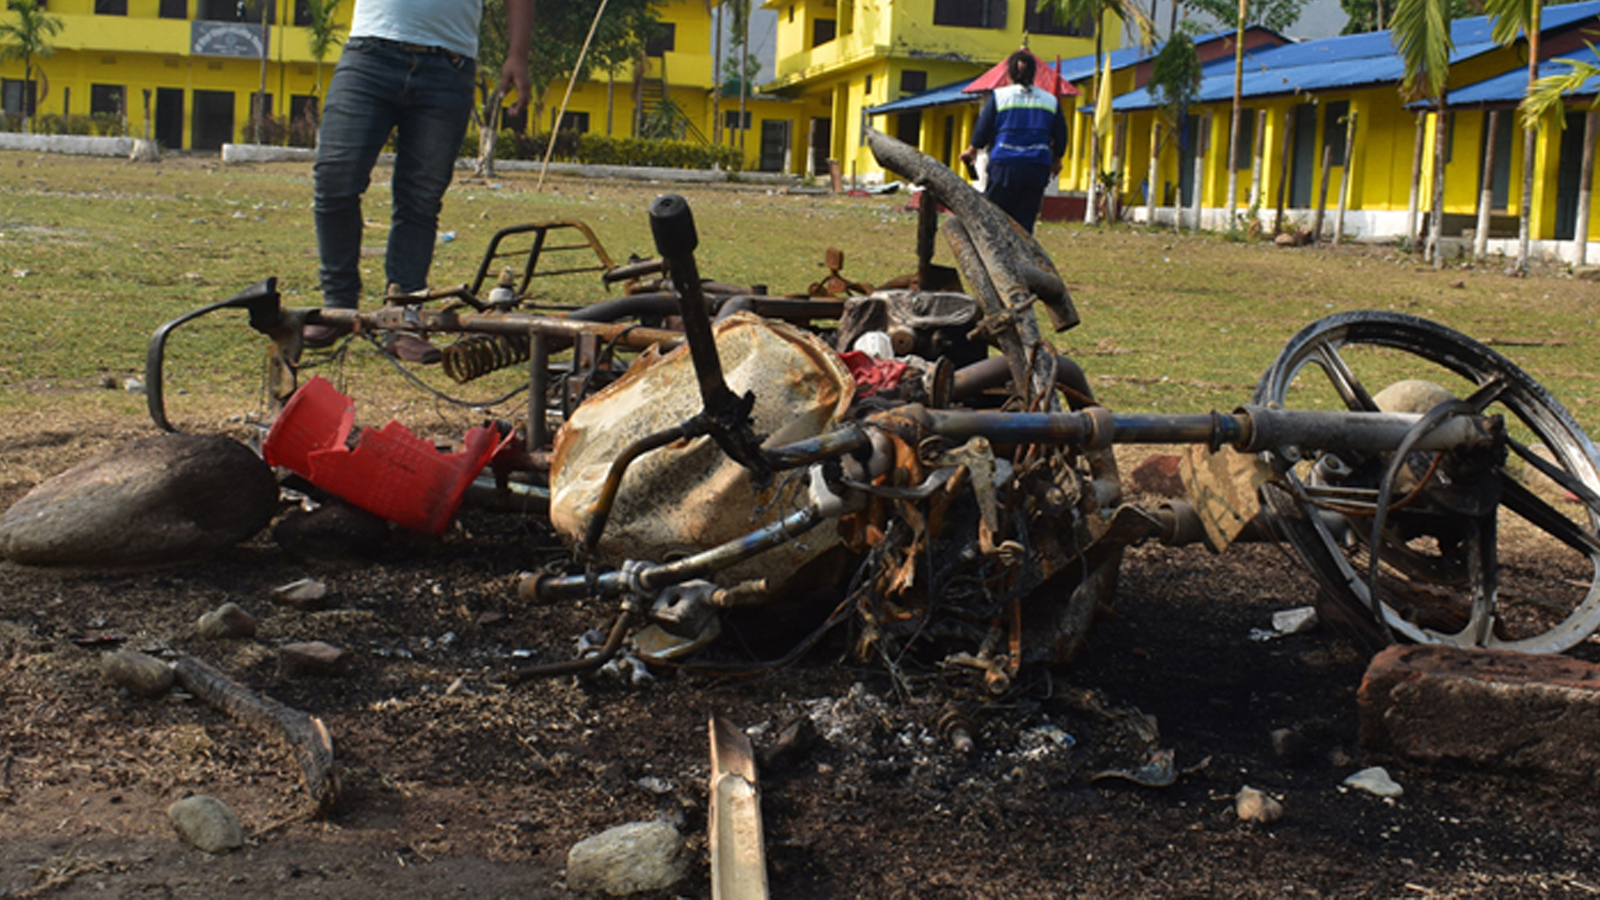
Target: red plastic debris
873	374
390	473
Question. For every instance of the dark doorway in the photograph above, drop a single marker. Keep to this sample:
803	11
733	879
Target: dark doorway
1568	175
1500	190
212	121
908	128
1190	142
169	118
821	145
1303	171
774	145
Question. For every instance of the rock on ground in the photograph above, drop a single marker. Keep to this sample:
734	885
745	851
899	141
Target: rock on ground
160	499
317	658
628	859
142	674
207	823
1484	708
226	622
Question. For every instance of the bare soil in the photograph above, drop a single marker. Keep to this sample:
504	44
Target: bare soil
454	786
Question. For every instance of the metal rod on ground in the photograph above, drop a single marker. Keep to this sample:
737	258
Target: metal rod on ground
576	68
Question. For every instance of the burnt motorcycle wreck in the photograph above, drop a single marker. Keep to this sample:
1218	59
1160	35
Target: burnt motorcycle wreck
857	454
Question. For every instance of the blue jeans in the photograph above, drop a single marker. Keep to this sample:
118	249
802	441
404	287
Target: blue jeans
425	98
1018	188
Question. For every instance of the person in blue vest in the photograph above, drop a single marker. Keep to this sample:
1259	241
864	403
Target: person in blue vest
407	69
1026	135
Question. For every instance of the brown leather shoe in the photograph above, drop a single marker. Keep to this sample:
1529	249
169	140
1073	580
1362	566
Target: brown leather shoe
410	348
318	336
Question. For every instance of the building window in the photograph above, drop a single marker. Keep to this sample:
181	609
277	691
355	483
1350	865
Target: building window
574	121
1247	139
1333	128
913	81
107	100
664	40
868	88
233	11
1044	21
823	31
970	13
17	97
908	128
731	118
302	13
791	14
110	7
174	9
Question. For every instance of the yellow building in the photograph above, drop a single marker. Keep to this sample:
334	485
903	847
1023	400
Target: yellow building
183	71
678	67
187	71
1302	99
838	58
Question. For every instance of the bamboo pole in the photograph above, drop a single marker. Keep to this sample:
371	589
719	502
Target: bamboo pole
1591	127
1322	192
1346	180
1285	167
1413	206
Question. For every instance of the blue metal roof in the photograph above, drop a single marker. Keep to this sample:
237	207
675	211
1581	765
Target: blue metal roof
939	96
1513	86
1347	62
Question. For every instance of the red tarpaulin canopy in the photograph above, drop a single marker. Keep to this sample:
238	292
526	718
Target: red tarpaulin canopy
1044	78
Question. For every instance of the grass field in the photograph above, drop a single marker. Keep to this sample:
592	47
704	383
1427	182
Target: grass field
94	254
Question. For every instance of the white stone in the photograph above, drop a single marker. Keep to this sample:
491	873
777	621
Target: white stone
1253	805
1376	781
628	859
1295	621
207	823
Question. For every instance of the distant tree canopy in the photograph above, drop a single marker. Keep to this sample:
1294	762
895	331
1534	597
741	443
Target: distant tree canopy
1279	15
558	34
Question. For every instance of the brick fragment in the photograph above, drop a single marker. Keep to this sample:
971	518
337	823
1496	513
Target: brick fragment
1484	708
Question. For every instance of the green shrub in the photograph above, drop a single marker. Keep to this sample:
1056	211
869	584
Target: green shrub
599	150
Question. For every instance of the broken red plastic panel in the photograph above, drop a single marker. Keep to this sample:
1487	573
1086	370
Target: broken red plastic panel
391	473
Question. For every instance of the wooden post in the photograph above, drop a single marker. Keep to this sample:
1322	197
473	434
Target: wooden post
1591	126
1322	193
1345	179
1119	141
1480	240
1287	164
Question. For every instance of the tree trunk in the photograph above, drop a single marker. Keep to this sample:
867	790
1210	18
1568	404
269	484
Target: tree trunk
1529	143
1480	240
1258	159
1436	215
1591	126
1413	205
1233	126
1153	174
1322	192
1201	132
1287	162
716	81
1346	180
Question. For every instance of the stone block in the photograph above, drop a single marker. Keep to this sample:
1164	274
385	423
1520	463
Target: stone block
1483	708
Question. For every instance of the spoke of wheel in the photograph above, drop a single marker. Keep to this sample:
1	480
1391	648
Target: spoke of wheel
1487	393
1344	380
1556	473
1366	499
1483	578
1517	498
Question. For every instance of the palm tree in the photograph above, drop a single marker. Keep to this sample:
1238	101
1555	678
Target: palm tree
1421	32
1545	95
27	38
324	33
1513	17
1096	12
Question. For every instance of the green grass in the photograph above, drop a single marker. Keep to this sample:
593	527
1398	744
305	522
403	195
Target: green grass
95	254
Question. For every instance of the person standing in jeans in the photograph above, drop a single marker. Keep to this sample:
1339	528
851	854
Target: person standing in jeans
408	68
1026	135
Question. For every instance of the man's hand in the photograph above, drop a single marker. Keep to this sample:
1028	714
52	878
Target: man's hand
969	154
514	74
514	77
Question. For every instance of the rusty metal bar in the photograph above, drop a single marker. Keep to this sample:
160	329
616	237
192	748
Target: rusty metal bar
738	859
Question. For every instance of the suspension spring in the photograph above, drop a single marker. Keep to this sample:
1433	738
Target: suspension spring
476	355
